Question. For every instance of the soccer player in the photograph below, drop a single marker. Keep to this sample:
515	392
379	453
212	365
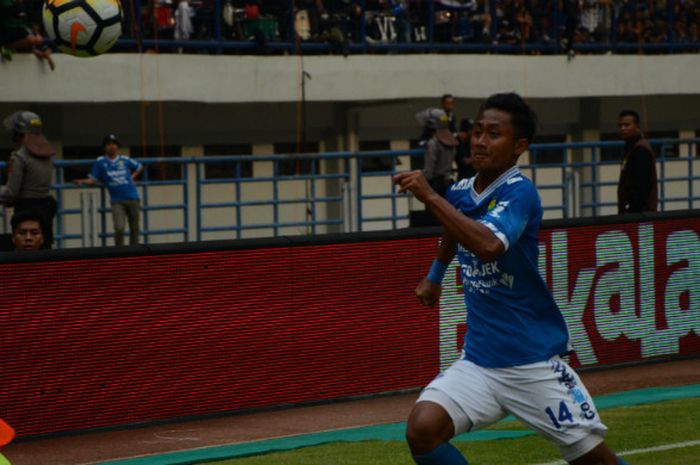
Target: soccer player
516	334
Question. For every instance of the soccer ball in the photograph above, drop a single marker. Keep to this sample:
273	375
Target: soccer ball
83	27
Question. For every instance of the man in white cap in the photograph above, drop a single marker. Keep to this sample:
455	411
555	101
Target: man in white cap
118	173
30	170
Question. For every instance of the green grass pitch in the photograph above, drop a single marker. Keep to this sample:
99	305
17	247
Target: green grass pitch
632	430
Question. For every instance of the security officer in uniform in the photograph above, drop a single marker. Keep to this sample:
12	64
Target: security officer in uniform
30	170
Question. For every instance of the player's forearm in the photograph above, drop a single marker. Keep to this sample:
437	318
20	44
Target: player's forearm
447	249
473	235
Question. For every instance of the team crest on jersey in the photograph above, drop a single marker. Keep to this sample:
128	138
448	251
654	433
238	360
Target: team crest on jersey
495	207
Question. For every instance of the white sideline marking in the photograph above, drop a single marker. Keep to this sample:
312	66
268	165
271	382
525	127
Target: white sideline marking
678	445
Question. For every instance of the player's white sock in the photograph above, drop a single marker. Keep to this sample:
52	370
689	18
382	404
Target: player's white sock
444	454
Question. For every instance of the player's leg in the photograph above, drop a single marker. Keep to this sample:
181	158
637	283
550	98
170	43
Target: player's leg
599	455
134	221
551	399
119	218
455	402
428	433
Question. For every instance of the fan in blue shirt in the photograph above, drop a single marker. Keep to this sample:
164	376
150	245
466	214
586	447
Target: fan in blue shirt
117	173
516	334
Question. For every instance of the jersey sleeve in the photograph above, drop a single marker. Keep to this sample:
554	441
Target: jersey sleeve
95	172
510	211
133	164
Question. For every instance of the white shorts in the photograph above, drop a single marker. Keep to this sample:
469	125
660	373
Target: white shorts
547	396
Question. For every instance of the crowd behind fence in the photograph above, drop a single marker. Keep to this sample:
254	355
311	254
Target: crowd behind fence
377	26
361	26
341	192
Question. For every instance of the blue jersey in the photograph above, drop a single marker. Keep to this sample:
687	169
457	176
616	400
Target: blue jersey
512	318
116	175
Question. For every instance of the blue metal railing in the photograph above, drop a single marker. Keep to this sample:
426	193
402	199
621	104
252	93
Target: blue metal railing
310	201
146	184
343	191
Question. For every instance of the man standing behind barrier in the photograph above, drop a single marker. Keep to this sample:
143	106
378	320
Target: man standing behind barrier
439	149
30	170
637	190
27	231
118	173
516	334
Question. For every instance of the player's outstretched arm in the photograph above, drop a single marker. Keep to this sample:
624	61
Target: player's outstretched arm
473	235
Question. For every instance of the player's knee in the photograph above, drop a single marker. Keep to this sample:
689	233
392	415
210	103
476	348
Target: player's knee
427	428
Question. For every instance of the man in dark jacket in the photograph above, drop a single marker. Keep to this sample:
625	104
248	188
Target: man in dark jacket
30	170
637	189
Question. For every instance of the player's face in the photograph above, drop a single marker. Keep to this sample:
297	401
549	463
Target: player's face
495	146
627	128
28	236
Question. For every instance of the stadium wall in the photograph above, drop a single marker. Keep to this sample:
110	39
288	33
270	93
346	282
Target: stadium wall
275	79
110	337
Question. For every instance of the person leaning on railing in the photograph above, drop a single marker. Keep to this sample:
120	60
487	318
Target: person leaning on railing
118	173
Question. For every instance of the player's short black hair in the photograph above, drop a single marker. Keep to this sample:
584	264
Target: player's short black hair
523	117
27	215
446	96
632	113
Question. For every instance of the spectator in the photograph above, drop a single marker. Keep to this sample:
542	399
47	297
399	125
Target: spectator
118	173
160	19
307	18
183	21
478	21
637	190
381	23
30	170
506	21
16	35
524	22
27	230
541	17
571	21
590	17
447	102
463	157
439	149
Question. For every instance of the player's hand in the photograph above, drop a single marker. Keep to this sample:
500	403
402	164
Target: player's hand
428	292
415	182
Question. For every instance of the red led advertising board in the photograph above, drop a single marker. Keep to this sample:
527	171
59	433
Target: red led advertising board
106	341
